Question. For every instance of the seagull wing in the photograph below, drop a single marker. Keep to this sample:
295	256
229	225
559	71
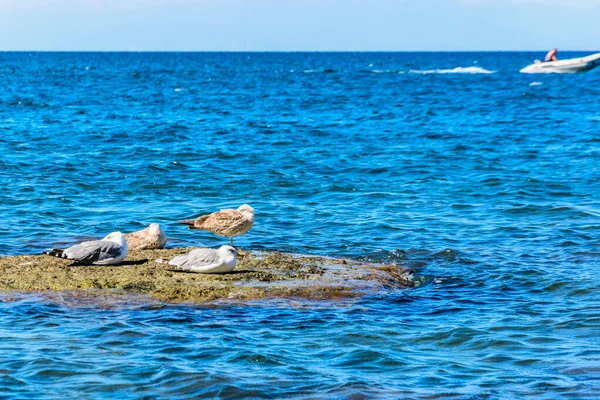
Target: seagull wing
197	260
225	216
224	221
94	251
138	235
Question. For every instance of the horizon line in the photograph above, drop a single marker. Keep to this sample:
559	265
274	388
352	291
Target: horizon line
291	51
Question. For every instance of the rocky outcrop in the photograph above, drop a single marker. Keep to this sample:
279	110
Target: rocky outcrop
257	275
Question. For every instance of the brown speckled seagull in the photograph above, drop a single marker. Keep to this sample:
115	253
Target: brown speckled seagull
227	223
151	237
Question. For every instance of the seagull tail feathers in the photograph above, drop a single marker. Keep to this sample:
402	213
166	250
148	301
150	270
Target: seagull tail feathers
56	253
189	222
179	268
194	223
172	267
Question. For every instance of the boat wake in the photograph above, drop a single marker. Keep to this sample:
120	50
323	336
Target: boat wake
457	70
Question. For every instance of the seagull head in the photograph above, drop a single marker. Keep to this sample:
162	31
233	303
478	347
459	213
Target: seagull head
245	208
228	250
156	232
116	237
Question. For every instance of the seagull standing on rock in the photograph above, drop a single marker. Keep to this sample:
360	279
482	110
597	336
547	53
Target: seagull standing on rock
108	251
227	223
149	238
205	261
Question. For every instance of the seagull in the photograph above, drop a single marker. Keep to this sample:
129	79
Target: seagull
151	237
108	251
228	223
206	261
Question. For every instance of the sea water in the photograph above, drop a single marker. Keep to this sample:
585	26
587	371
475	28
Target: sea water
485	180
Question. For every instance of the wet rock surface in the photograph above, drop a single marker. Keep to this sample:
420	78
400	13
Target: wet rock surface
257	275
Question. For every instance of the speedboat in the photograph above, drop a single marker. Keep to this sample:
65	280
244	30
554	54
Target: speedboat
570	65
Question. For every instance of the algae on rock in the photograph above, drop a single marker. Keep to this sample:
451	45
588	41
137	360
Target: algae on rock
257	275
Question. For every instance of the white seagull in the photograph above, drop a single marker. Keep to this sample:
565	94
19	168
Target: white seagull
206	261
108	251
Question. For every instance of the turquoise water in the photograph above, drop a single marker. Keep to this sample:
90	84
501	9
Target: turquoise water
486	180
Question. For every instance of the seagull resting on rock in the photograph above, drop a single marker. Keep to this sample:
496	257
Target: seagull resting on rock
227	223
149	238
108	251
205	261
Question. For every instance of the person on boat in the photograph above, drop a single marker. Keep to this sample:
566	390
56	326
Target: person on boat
551	56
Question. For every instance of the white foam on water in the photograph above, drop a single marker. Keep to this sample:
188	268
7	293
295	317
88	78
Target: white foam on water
387	71
457	70
536	84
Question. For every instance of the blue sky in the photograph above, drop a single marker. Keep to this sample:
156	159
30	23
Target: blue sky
291	25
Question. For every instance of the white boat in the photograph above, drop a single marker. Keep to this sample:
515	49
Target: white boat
570	65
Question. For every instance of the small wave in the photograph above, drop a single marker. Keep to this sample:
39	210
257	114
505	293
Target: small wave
27	103
381	71
457	70
320	71
384	71
536	84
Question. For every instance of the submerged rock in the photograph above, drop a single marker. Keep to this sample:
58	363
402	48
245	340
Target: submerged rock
257	275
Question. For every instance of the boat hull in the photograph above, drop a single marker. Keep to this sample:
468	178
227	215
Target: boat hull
572	65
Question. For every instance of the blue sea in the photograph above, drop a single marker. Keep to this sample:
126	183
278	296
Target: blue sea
484	180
